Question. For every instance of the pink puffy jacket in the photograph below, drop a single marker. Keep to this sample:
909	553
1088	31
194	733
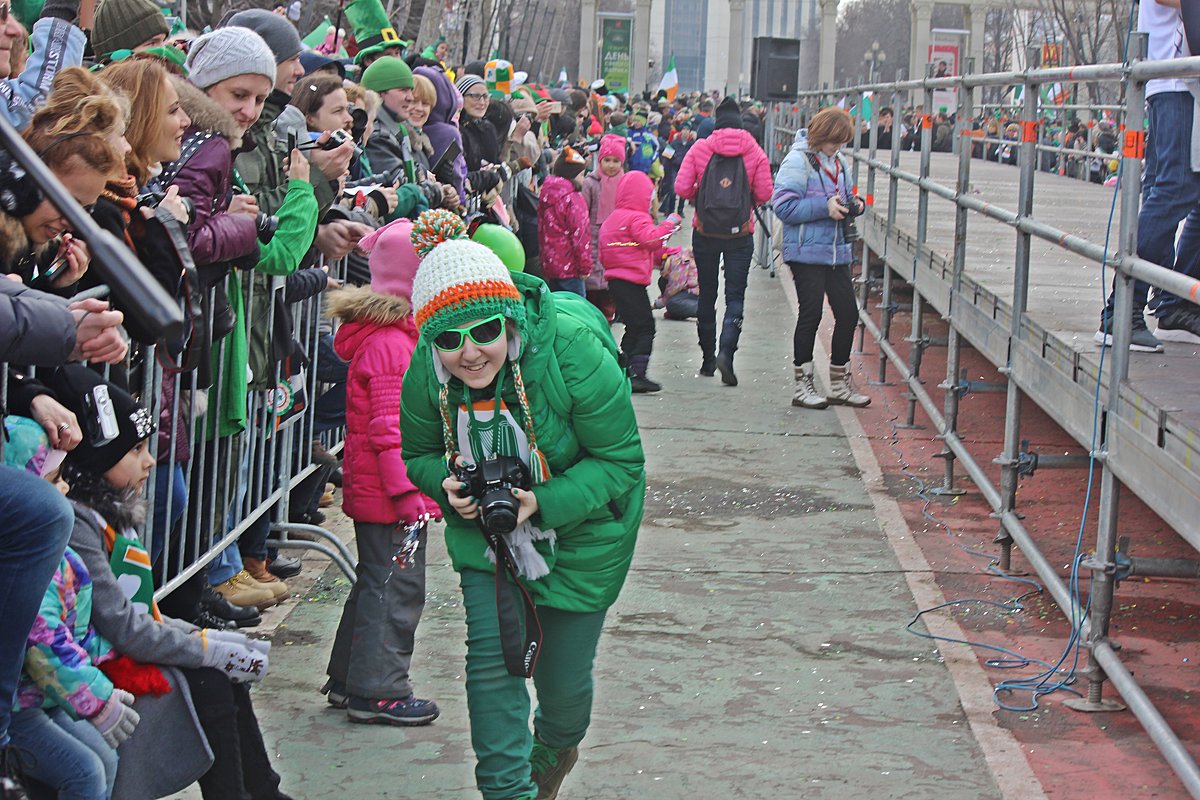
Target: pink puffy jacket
726	142
629	239
564	233
378	342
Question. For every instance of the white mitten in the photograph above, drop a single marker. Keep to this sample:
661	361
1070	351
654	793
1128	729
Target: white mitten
117	721
240	662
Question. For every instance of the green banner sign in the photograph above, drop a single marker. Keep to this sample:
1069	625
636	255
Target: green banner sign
616	51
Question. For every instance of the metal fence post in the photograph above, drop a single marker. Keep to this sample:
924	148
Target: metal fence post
966	103
1103	583
917	339
1027	164
887	304
864	269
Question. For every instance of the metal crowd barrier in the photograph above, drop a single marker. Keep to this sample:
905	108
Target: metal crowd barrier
1125	451
236	481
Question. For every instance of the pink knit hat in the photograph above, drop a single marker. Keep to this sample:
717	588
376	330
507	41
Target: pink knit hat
613	145
392	260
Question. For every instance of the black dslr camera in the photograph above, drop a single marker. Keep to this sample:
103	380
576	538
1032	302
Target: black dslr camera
265	226
856	208
151	199
491	484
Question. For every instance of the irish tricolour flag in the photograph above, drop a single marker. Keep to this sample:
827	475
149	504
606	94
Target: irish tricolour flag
670	80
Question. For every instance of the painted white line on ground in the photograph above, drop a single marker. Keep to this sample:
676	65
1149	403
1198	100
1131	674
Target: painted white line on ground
1007	761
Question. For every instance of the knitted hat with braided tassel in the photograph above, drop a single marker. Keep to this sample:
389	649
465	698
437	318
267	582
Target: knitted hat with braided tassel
460	282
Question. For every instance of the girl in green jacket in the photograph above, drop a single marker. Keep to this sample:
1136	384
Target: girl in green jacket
505	373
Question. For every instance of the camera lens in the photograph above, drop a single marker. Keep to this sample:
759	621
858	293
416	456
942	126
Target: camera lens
500	516
267	225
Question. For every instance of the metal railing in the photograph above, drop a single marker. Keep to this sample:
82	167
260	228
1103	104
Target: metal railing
940	281
236	481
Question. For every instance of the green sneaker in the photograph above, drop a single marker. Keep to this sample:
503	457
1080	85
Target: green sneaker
550	767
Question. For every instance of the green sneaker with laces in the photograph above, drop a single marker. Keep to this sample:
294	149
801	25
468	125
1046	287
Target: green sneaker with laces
550	767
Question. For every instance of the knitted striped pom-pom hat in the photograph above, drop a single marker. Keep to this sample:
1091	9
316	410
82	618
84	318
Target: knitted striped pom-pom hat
458	281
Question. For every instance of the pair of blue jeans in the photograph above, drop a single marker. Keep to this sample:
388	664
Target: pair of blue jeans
709	252
67	755
498	703
36	526
1170	194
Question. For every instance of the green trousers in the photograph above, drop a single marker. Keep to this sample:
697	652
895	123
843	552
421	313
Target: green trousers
498	703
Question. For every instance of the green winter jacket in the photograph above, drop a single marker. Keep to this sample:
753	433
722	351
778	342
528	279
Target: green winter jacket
584	422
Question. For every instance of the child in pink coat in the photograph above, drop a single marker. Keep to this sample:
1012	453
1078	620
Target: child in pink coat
372	650
600	194
565	243
630	243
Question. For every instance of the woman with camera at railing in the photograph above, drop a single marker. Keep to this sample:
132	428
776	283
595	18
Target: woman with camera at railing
814	199
518	419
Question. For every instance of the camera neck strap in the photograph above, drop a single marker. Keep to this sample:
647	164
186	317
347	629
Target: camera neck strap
519	644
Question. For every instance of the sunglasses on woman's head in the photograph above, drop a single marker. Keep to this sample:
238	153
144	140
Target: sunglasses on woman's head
481	333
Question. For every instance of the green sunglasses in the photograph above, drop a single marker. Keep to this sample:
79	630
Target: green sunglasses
482	333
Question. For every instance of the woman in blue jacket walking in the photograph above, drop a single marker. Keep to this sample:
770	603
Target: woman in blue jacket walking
814	199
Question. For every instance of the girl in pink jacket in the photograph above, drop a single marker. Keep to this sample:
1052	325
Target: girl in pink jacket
372	651
600	194
629	245
563	236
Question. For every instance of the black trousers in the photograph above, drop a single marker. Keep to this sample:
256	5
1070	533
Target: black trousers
815	282
241	769
633	306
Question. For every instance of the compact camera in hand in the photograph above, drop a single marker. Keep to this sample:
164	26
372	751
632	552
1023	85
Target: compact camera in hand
491	483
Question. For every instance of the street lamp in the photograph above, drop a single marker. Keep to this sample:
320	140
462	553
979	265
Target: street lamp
874	59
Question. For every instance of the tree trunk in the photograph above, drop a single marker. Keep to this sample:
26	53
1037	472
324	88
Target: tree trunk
431	23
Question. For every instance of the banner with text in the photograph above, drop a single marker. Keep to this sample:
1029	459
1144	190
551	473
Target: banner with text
616	51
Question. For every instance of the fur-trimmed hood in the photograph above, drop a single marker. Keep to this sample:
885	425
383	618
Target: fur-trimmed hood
121	508
364	314
14	244
361	304
206	113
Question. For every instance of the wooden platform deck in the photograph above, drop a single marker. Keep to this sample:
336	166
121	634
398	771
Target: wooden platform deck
1155	442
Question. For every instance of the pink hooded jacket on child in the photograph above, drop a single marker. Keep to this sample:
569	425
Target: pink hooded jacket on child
378	336
600	193
629	239
563	236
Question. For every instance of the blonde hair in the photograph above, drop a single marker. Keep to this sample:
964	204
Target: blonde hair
80	116
424	91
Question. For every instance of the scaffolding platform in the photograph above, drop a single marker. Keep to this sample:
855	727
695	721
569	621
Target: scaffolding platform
1153	441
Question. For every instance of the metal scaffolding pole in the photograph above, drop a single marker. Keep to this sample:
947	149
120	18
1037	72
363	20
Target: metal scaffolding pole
1103	562
952	385
887	306
864	269
1009	459
917	339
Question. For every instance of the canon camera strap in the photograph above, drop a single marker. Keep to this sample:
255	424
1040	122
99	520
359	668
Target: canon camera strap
520	648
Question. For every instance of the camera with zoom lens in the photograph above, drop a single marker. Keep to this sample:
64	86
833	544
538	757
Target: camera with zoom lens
265	225
491	483
152	199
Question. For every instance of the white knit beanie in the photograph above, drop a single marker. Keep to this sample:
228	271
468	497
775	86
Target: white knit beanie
459	280
227	53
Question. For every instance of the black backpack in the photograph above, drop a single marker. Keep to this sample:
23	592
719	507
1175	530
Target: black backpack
724	202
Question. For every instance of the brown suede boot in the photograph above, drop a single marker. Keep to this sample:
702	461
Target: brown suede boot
257	568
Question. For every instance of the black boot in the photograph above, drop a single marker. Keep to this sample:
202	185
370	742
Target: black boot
731	332
637	376
215	605
283	567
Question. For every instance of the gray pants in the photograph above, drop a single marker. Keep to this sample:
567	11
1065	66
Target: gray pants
373	647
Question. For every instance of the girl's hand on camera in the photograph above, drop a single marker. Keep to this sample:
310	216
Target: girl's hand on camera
837	211
529	504
456	492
